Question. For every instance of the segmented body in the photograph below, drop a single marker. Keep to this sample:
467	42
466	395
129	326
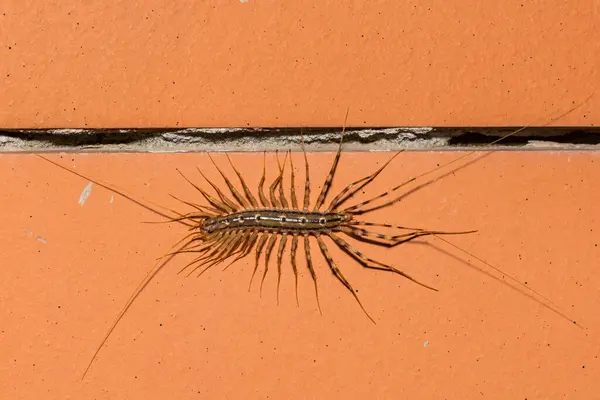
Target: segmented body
277	220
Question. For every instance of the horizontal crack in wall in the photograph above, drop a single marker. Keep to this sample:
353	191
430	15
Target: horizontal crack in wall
315	139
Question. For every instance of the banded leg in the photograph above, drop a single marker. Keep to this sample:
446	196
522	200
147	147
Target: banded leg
247	249
276	182
208	210
284	202
219	255
247	191
306	180
213	202
232	188
199	248
355	209
217	247
230	250
311	269
230	204
261	190
338	274
293	186
392	240
329	178
193	237
352	188
282	243
369	262
212	245
294	265
259	248
268	251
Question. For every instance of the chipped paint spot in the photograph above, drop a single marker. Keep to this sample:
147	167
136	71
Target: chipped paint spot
243	1
41	240
426	343
112	198
85	194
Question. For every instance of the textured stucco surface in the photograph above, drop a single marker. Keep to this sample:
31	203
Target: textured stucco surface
303	63
72	253
67	269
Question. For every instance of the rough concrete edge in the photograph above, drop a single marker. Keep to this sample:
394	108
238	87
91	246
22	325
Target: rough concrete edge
315	139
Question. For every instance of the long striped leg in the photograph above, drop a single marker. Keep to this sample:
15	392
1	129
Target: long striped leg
284	202
214	246
338	274
282	243
181	218
352	188
329	178
247	191
247	249
240	199
213	202
259	248
268	251
355	209
261	190
218	247
311	269
142	285
230	204
245	242
392	240
217	254
370	263
230	251
206	209
454	161
401	238
293	186
273	187
194	238
306	180
294	265
197	248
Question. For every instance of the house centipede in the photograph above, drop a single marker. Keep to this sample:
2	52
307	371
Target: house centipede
232	227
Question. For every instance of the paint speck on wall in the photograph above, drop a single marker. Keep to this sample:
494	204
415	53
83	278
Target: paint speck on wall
112	198
85	194
243	1
41	240
426	343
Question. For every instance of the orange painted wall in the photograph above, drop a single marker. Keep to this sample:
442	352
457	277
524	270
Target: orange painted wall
66	268
269	63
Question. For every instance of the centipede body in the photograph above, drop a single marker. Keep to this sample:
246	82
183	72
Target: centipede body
229	227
